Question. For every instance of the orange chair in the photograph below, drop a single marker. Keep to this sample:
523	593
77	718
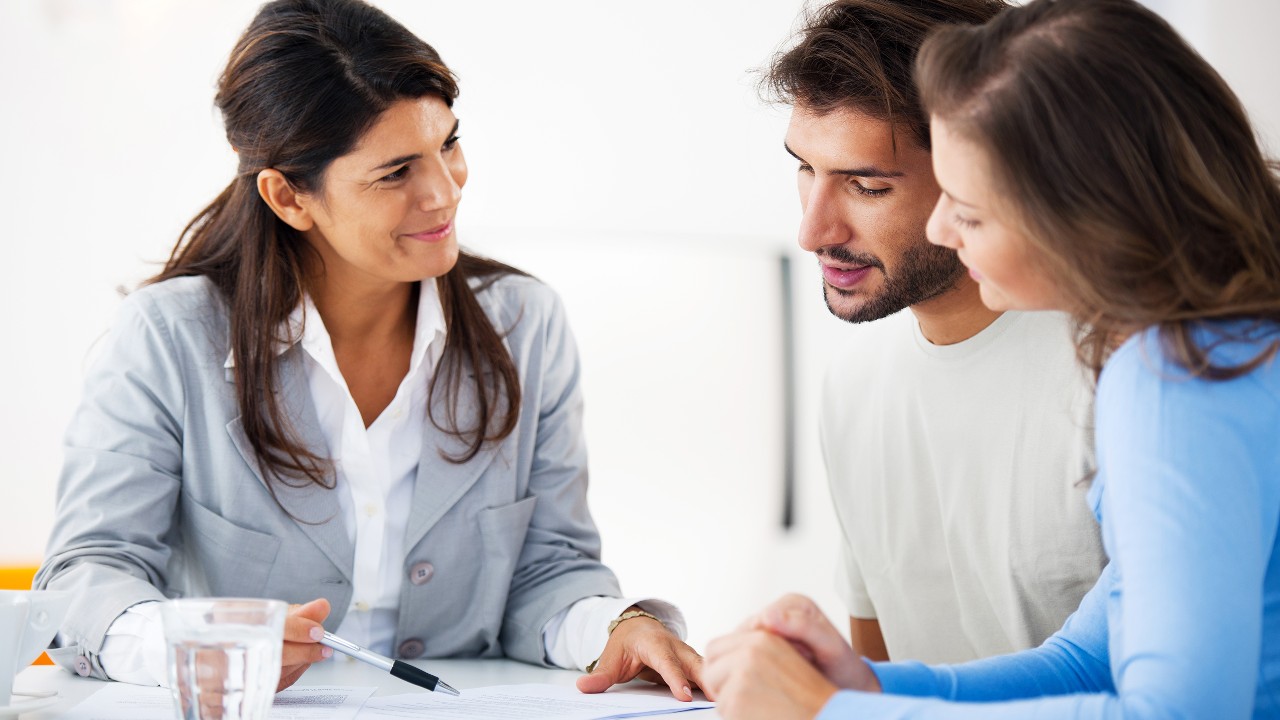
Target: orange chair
19	578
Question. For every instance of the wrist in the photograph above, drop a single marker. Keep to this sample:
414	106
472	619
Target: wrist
631	613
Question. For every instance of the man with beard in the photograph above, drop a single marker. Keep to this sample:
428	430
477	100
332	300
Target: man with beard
957	439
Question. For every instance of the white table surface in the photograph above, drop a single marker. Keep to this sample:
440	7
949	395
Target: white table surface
461	674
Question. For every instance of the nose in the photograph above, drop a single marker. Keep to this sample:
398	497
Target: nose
938	230
440	185
823	223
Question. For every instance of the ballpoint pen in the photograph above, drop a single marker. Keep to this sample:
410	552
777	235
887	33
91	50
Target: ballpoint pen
398	668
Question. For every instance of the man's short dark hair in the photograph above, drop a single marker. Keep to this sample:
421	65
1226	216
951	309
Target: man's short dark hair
859	55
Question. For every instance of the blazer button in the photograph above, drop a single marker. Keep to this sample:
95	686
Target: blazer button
82	666
411	648
421	573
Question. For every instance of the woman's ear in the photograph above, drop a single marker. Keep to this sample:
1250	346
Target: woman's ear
284	200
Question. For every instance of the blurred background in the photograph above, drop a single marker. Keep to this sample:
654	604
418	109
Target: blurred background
619	151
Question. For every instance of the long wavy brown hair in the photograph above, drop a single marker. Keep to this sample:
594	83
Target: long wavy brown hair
304	82
1133	167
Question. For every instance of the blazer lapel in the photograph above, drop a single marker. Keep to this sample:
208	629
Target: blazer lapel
315	509
440	483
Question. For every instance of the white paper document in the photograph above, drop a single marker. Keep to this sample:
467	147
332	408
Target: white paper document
524	702
121	701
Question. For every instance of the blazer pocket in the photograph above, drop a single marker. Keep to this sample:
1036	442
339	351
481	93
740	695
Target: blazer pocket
503	528
234	560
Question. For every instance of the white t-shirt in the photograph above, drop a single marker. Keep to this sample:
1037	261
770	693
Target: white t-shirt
956	473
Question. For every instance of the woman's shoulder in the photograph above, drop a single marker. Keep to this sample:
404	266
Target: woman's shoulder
177	298
513	297
188	312
1144	363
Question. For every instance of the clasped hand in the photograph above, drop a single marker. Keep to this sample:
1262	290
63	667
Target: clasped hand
785	662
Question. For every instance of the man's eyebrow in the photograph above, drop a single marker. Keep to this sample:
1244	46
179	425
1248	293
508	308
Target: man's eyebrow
870	171
410	158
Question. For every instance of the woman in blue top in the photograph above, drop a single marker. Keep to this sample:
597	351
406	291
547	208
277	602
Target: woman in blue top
1091	161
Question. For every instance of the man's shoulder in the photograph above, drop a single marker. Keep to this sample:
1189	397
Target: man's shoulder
1036	343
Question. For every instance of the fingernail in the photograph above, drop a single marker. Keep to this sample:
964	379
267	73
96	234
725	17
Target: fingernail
327	652
686	691
317	634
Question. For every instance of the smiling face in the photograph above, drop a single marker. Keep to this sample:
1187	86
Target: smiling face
865	207
984	230
385	213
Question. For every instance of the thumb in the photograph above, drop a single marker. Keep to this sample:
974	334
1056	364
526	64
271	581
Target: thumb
316	610
603	676
809	629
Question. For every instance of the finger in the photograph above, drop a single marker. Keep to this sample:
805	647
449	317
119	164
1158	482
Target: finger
303	653
665	662
611	669
290	675
726	656
805	625
805	651
605	676
303	623
693	664
753	622
726	644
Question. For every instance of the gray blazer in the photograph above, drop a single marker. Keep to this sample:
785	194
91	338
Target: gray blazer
160	495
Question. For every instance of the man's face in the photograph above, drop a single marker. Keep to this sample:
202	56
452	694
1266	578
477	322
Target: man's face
866	204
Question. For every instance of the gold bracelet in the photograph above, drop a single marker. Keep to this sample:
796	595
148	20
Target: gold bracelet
627	616
613	624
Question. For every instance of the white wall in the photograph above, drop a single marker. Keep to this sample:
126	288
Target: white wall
579	117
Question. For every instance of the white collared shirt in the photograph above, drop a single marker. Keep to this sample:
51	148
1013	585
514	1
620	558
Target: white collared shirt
379	464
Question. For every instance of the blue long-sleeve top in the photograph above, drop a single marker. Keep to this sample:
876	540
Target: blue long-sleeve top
1185	621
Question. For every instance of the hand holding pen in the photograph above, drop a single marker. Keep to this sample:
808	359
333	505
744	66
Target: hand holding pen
302	635
397	668
306	642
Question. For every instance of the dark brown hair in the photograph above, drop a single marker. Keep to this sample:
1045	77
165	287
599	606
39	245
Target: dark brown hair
304	82
859	54
1131	164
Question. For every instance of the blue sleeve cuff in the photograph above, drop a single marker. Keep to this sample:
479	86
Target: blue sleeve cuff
908	678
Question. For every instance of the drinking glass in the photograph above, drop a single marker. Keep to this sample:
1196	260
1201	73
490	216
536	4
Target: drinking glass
224	656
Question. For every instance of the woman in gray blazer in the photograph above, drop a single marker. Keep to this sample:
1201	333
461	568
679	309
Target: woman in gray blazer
322	400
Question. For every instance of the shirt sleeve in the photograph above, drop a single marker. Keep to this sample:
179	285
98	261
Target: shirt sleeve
1181	507
110	544
576	636
134	650
850	585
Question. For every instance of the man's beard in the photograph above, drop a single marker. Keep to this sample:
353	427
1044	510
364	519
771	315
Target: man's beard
923	272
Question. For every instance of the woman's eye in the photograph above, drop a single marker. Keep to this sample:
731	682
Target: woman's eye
965	222
397	175
450	143
805	168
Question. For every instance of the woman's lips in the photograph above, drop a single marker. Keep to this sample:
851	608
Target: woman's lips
845	278
434	234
